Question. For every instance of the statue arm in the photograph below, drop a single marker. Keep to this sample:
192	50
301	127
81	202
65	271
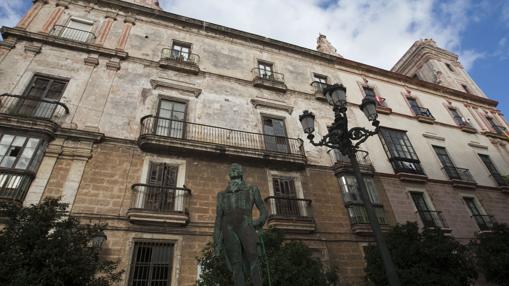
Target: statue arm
218	237
261	207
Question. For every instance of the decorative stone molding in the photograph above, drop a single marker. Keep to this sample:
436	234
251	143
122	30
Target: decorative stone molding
433	136
111	15
113	64
159	84
33	48
91	60
477	145
62	3
270	104
8	43
130	20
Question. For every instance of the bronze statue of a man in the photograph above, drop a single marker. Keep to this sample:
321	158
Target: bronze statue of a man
234	229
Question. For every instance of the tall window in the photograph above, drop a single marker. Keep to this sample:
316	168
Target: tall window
170	119
40	94
460	120
449	67
447	163
481	219
285	196
77	30
400	151
354	203
429	217
493	123
265	70
151	264
501	181
161	191
180	51
275	135
369	91
414	105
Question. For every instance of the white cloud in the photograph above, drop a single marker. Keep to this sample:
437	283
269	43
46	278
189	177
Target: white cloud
11	12
468	58
375	32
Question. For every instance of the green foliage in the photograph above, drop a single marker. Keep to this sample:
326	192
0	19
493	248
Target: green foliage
290	264
492	252
427	258
42	246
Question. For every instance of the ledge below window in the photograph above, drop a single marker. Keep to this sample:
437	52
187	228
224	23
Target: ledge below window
425	119
366	230
468	129
293	225
495	135
412	177
383	109
141	216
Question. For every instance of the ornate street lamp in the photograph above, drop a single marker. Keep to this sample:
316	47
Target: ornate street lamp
98	239
347	141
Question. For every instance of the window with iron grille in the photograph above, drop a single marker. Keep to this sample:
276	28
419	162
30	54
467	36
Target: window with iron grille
45	87
180	51
482	220
151	263
400	151
171	118
370	91
501	181
265	70
285	196
351	192
429	217
275	138
77	30
460	120
320	81
446	162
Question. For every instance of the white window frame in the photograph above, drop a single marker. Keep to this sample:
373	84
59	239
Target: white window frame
298	189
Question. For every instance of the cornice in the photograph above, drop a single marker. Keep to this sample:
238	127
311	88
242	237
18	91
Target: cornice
61	42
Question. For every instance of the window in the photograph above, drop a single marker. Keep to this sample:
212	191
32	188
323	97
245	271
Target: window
428	216
171	119
265	70
501	181
275	135
320	81
151	264
161	187
497	128
414	105
285	197
78	30
354	203
460	120
449	67
400	151
180	51
482	220
370	91
448	165
465	88
20	152
39	96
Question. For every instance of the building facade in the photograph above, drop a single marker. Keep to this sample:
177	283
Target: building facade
133	115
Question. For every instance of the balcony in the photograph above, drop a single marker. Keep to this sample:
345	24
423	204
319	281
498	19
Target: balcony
318	88
464	124
460	177
290	214
14	185
408	169
499	132
156	204
484	222
381	106
31	113
179	61
433	219
73	34
359	219
269	80
423	115
166	135
502	181
343	165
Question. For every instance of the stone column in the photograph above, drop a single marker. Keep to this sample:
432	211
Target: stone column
30	15
129	22
105	28
55	16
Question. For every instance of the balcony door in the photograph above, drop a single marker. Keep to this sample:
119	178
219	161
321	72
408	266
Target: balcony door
447	163
275	135
162	182
41	92
414	105
77	30
170	119
285	197
427	215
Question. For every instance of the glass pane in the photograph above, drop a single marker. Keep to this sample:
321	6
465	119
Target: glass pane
38	87
19	141
7	162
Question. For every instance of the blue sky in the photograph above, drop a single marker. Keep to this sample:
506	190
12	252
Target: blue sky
375	32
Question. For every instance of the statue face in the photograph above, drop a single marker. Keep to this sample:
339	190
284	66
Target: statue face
235	172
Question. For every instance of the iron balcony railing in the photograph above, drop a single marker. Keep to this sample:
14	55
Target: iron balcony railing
358	214
485	222
462	122
432	219
14	184
288	207
72	34
502	181
33	107
406	165
160	199
179	56
422	111
462	174
500	130
213	135
268	75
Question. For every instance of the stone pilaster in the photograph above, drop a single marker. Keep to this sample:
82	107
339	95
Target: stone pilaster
30	15
129	22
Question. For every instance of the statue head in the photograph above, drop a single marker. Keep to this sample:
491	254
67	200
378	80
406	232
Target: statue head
235	171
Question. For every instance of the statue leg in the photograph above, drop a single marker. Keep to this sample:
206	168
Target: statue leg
249	239
233	249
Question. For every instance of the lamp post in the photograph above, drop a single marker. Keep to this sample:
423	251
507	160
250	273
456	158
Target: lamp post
347	141
98	239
